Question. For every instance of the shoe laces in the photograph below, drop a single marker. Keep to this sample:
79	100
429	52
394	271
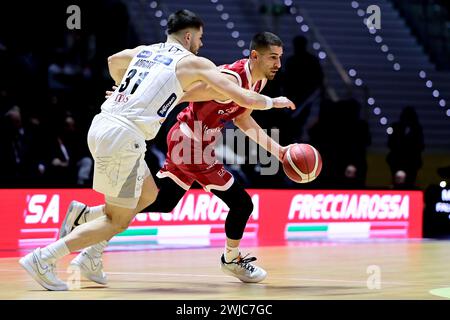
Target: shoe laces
244	262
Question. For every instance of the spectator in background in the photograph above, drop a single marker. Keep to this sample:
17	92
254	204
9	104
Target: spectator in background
399	180
352	139
302	73
19	151
60	73
302	77
68	157
406	144
321	137
341	136
350	180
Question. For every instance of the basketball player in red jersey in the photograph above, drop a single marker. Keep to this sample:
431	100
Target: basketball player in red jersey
179	172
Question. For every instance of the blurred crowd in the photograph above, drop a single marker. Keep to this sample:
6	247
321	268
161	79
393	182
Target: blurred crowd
52	86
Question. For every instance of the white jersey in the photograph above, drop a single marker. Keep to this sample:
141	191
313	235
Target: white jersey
150	88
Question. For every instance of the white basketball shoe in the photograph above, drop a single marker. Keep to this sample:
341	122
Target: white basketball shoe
75	215
242	269
42	271
88	261
90	265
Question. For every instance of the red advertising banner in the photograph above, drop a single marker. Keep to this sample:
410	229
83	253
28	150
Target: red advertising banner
32	217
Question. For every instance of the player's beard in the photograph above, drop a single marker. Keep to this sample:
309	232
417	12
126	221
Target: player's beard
271	75
193	49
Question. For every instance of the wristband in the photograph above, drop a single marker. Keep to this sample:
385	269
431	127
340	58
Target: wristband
269	103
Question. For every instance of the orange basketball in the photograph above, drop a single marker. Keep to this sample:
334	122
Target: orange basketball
302	163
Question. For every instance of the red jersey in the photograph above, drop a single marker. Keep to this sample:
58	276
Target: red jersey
213	115
203	121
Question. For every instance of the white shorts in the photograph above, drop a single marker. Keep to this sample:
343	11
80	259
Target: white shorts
118	149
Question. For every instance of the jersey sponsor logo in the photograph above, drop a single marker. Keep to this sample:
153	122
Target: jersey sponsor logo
120	97
228	110
163	59
142	63
166	105
144	54
207	130
349	207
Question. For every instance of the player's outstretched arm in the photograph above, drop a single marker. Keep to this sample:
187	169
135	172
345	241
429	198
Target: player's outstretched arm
202	91
118	63
209	73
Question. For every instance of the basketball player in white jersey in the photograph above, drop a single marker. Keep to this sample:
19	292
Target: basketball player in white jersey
151	80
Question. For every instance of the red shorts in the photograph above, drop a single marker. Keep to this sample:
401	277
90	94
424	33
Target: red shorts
207	171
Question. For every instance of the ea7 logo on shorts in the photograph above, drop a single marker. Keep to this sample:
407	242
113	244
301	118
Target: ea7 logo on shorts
221	172
163	59
144	54
40	212
166	105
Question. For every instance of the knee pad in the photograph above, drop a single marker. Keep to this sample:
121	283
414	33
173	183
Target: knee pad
243	205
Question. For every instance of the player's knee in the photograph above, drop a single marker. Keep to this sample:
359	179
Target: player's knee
120	223
245	205
248	207
120	226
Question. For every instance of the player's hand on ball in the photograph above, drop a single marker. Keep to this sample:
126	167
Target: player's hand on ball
283	102
109	93
283	151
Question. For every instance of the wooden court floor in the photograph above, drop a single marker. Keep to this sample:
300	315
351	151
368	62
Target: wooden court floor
341	270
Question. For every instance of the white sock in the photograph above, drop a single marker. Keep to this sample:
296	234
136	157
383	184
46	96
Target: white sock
97	249
95	212
231	253
55	251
